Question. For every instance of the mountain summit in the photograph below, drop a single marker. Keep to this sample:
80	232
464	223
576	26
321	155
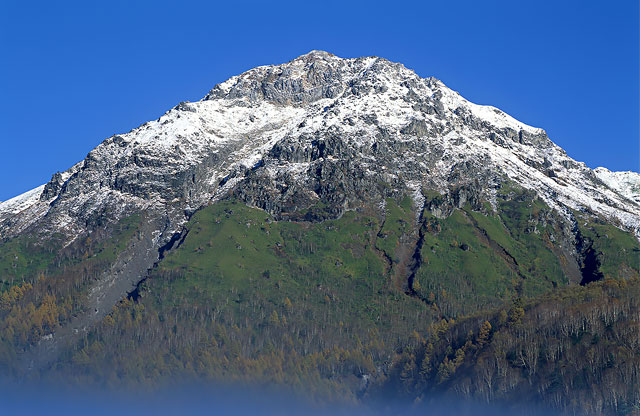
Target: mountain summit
371	116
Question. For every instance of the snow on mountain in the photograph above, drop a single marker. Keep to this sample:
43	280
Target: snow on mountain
625	183
21	202
431	137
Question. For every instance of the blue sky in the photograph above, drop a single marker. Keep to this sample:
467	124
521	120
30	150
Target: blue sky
75	73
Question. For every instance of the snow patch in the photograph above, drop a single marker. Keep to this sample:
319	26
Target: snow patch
626	183
21	202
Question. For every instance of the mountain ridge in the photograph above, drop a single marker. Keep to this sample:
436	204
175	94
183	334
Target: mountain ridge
306	79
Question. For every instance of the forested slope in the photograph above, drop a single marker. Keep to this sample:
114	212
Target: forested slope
575	349
343	310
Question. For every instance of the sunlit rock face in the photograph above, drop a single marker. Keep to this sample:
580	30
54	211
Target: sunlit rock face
344	132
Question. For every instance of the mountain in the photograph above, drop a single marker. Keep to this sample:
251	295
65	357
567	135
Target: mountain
283	118
347	201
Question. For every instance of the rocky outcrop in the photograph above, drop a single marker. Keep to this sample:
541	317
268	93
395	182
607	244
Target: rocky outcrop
318	128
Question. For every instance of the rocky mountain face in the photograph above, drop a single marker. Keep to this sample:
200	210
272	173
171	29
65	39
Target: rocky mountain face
309	140
318	128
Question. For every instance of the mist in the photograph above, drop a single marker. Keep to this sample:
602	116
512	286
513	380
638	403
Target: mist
215	399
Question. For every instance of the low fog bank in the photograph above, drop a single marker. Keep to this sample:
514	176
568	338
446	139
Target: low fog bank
210	399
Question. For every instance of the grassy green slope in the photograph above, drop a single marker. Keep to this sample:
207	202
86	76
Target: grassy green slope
238	253
473	260
245	297
21	260
617	252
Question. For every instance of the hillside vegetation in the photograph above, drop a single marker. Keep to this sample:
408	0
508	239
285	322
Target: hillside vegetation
576	349
371	304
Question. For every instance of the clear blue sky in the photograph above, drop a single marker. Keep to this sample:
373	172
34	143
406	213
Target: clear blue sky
75	73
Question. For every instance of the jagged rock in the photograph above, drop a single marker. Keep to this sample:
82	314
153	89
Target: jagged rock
344	132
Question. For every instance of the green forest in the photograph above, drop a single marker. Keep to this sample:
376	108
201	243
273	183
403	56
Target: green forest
367	307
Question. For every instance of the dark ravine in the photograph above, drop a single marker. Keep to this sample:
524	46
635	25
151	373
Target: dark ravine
386	258
501	251
134	295
589	261
177	239
174	243
417	261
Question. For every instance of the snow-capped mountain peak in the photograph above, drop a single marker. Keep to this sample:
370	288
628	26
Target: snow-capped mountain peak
265	135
